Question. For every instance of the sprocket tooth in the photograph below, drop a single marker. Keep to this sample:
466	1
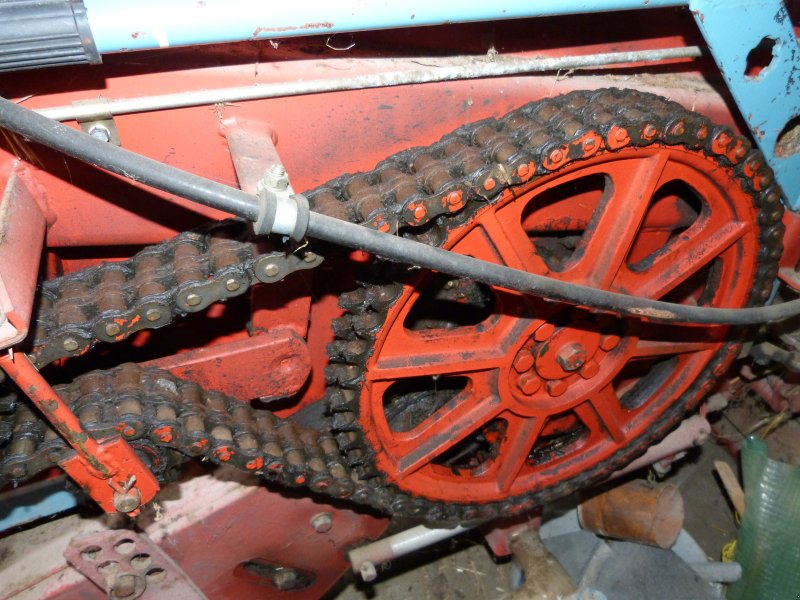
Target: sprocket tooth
381	297
354	300
341	400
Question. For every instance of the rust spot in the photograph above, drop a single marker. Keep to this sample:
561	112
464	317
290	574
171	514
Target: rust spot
321	25
164	434
137	34
255	464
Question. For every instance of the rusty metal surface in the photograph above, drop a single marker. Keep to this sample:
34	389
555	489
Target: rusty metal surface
128	566
636	511
22	228
266	366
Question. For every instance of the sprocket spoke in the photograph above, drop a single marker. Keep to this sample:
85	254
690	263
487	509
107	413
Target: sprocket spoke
461	416
696	248
616	223
652	348
520	436
504	238
604	409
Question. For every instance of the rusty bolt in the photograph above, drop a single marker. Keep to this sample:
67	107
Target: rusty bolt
609	342
193	299
590	369
112	329
556	387
523	361
152	314
544	332
232	285
571	357
70	344
322	522
126	502
271	270
310	257
529	384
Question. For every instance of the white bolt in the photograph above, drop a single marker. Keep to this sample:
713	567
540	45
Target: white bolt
368	571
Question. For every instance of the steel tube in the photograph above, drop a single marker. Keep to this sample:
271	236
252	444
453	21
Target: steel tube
456	68
126	25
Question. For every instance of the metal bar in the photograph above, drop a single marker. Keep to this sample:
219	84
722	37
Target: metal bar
21	370
126	25
456	68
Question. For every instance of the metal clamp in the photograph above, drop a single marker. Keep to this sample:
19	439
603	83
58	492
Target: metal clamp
280	209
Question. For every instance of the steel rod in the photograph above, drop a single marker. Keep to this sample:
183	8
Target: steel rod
456	68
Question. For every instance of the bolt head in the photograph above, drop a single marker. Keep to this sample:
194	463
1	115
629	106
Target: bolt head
309	257
232	285
609	342
100	132
523	361
70	344
271	270
126	502
322	522
193	299
571	357
152	314
529	384
556	387
590	369
112	329
545	332
368	571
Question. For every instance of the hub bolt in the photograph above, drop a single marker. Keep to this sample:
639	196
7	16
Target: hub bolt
193	299
529	384
70	344
232	285
322	522
590	369
556	387
544	332
152	314
523	360
112	329
609	342
571	357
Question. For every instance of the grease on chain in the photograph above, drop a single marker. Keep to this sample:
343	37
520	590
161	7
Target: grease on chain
186	274
422	192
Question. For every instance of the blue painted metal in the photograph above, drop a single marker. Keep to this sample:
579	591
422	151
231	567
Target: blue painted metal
732	28
33	502
120	25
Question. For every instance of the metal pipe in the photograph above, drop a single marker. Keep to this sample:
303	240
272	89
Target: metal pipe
120	26
364	558
456	68
209	193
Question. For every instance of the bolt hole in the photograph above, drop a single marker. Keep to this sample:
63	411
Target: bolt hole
760	57
141	561
155	575
91	552
125	546
108	568
789	138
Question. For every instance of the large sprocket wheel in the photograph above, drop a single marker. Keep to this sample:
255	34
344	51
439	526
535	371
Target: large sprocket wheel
475	395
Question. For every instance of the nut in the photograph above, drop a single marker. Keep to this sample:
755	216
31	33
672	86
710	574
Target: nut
609	342
571	357
523	361
590	369
529	384
556	387
368	571
544	332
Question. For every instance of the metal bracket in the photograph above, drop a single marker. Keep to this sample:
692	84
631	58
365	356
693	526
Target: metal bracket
100	125
755	47
108	470
129	566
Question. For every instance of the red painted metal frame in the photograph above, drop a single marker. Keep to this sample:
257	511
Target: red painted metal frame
108	470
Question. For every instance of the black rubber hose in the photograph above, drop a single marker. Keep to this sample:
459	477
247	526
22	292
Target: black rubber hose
123	162
209	193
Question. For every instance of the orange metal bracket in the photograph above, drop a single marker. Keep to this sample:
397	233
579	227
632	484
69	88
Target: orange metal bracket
108	470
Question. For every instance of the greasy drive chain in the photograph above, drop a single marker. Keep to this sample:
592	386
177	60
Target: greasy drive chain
420	193
186	274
